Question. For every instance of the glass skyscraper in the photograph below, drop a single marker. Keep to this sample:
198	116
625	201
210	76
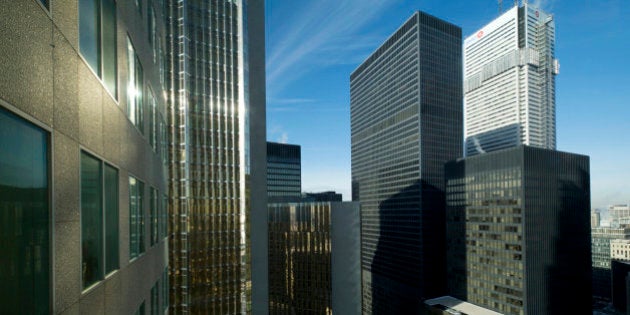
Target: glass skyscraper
216	118
509	82
284	171
314	258
518	231
406	122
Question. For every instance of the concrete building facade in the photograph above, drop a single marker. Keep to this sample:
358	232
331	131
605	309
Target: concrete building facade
82	169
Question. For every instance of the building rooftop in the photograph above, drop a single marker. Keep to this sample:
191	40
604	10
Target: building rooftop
454	306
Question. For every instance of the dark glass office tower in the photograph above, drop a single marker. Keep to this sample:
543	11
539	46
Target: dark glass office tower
518	231
284	171
406	121
216	118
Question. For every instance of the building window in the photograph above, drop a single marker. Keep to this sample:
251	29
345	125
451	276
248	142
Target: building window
165	295
141	310
160	60
24	217
135	77
136	217
154	216
111	219
152	31
139	6
45	3
99	229
163	139
164	216
153	128
97	39
155	299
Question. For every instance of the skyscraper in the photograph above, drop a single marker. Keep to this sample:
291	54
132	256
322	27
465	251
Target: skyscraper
509	82
406	122
284	171
82	174
314	258
216	118
518	231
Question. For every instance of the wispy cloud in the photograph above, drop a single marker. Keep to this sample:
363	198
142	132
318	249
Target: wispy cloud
291	101
325	32
284	138
278	134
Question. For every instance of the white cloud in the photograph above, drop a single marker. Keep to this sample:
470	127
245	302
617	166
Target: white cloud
325	32
284	138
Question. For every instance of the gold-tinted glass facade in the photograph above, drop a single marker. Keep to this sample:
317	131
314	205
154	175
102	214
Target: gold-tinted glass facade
208	164
300	258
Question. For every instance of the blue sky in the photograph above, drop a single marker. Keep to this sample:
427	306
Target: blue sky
314	45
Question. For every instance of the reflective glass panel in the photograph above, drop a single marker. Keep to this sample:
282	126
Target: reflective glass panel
91	220
24	217
89	33
111	219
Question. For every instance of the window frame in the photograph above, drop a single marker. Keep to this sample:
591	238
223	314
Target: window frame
135	80
99	4
141	235
154	217
103	164
51	188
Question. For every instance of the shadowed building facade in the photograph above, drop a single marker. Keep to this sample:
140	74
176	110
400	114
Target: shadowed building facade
82	169
216	119
518	231
406	122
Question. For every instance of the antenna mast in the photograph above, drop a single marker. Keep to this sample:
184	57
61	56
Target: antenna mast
500	6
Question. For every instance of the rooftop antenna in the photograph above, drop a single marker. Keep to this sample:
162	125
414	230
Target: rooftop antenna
500	6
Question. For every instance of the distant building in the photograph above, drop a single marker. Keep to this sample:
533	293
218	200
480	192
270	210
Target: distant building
323	196
518	231
82	158
601	249
314	260
619	213
509	82
284	172
406	122
447	305
620	249
595	218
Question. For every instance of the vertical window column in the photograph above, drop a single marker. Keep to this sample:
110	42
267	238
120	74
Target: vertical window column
24	217
136	217
97	39
99	219
153	128
134	88
154	216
